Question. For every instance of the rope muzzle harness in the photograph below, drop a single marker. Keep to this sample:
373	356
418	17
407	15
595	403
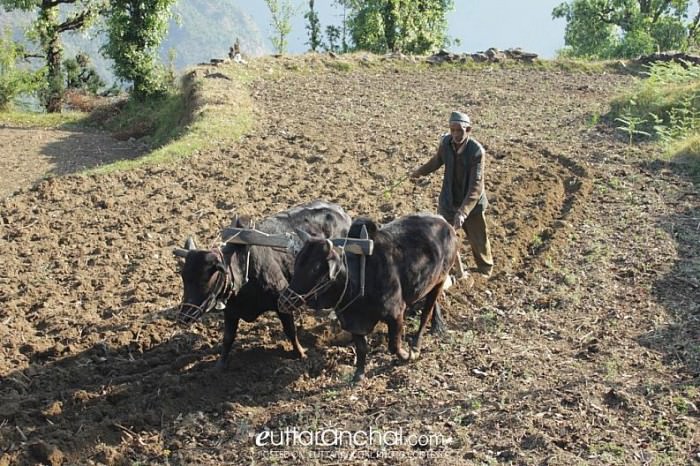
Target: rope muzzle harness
290	301
220	286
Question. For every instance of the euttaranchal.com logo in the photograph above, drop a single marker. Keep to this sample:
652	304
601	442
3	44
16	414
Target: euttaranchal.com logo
339	438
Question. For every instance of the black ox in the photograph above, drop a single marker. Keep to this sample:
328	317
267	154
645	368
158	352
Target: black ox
411	260
246	280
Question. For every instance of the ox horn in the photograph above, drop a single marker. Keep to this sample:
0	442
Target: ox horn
179	252
190	244
303	236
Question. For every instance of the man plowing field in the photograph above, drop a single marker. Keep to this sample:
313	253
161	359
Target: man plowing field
462	200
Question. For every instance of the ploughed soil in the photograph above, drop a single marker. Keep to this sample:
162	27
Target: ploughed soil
582	348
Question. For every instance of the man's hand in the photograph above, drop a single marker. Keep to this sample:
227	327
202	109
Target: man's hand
459	219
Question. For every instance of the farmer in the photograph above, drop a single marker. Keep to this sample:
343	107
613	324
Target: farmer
462	201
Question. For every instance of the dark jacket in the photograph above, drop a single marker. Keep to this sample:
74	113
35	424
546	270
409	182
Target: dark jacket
463	180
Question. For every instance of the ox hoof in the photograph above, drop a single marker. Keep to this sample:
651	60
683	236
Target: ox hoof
358	377
221	364
415	354
403	354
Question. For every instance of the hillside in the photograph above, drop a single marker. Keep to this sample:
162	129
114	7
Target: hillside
203	29
582	348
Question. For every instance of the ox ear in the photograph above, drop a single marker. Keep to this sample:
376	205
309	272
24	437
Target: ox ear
190	244
242	222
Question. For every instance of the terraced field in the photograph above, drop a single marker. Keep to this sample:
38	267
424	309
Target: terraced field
581	348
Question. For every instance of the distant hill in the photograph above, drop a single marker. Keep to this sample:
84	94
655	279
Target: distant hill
205	29
208	28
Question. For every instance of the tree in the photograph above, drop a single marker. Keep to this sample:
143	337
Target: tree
81	75
333	36
313	25
14	80
135	29
626	28
413	26
47	29
282	12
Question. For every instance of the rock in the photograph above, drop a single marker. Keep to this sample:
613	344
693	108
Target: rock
7	460
46	454
519	54
314	158
495	55
54	409
108	455
684	59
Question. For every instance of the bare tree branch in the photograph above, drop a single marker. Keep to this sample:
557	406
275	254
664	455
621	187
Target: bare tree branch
75	22
660	10
54	3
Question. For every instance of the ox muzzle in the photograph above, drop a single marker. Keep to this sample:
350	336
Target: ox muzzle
220	288
290	301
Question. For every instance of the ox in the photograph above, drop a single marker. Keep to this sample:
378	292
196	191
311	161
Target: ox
411	260
245	280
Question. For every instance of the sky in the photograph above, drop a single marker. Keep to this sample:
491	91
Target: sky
478	24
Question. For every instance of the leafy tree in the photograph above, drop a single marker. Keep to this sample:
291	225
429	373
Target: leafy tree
626	28
413	26
333	35
313	25
47	30
282	12
135	29
81	75
14	80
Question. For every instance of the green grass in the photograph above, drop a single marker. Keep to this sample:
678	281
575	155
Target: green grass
665	104
343	66
42	120
577	65
687	152
207	114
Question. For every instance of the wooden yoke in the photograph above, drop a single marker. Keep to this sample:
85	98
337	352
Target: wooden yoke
363	261
250	236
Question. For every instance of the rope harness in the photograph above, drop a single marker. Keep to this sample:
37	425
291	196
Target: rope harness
220	286
290	301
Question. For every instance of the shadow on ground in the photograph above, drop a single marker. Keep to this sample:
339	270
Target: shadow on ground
679	290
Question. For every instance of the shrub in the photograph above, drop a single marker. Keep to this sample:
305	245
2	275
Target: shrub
667	101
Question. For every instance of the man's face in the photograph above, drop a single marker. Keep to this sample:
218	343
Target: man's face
458	133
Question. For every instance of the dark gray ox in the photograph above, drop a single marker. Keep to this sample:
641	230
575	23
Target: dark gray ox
245	280
411	260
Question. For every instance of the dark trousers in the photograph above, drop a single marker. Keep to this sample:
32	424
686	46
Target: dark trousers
477	234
